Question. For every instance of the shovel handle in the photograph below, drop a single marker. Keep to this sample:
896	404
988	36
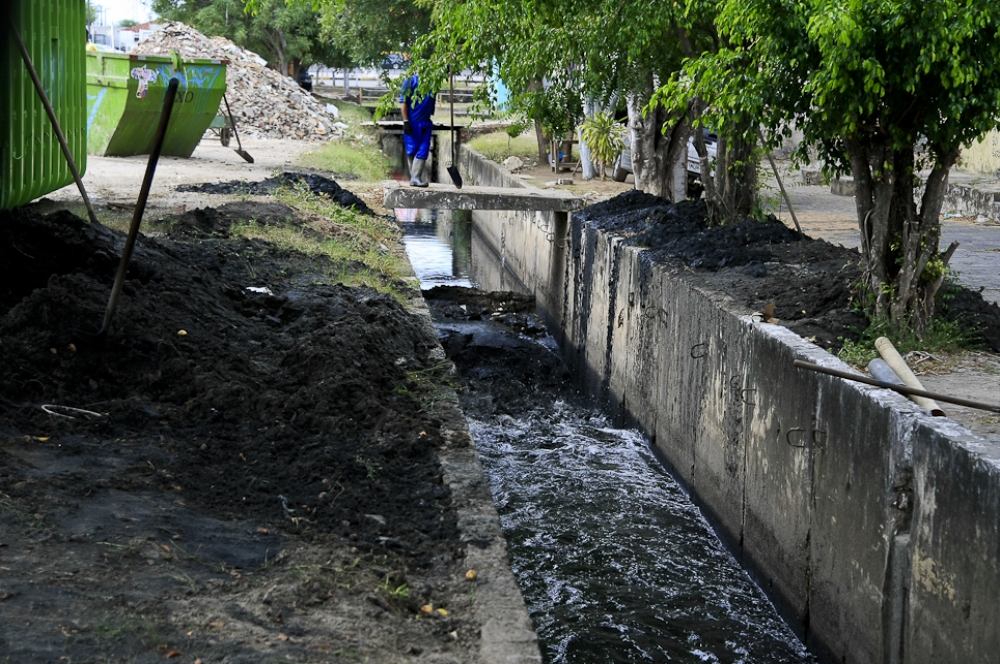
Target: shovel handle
140	204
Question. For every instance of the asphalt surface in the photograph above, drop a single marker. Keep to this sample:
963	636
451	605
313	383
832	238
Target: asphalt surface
831	217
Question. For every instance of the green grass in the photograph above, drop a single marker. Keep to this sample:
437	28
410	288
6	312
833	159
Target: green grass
358	245
352	114
356	156
942	337
358	153
498	146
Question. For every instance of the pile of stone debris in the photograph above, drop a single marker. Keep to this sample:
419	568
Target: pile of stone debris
264	103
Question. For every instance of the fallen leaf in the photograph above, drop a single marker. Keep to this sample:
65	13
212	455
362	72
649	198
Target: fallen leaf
471	574
216	625
769	310
282	637
263	531
427	608
72	347
165	548
442	612
423	433
42	438
197	661
173	653
53	351
4	595
182	333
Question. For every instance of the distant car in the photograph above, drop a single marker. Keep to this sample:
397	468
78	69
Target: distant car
305	80
395	61
623	165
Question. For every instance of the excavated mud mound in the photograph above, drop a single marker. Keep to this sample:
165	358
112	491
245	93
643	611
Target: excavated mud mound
243	469
810	282
249	396
315	183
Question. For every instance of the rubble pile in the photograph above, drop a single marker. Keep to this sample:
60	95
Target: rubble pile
264	103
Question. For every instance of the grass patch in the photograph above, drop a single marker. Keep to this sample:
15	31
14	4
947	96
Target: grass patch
943	337
352	114
357	246
497	146
358	156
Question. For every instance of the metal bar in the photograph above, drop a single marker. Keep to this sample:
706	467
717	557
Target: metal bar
781	186
903	389
54	120
140	205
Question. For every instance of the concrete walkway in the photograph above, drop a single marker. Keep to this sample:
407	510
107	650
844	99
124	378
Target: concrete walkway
447	197
823	214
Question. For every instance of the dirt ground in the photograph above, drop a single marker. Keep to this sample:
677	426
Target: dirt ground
253	464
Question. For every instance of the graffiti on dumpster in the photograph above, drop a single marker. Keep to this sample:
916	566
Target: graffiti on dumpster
145	77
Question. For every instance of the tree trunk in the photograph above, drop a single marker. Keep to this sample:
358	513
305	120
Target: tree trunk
654	153
736	176
543	143
731	181
903	265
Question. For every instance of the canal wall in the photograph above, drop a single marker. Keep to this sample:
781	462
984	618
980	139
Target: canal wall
874	527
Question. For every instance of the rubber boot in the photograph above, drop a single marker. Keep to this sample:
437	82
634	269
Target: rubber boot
416	170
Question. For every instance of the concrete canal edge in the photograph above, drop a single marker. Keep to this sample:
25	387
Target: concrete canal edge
874	527
506	633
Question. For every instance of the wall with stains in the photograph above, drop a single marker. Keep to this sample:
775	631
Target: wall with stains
873	526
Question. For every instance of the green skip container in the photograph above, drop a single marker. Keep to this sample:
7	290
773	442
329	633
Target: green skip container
125	97
32	163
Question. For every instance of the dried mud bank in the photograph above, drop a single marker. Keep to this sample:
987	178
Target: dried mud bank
875	527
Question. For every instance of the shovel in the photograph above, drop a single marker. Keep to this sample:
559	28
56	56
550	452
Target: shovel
140	206
240	151
456	177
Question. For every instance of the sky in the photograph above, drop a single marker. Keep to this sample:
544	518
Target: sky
117	10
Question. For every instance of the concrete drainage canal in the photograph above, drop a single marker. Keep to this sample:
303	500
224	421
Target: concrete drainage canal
615	562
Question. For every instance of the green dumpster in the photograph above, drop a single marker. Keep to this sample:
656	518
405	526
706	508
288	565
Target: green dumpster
125	97
31	160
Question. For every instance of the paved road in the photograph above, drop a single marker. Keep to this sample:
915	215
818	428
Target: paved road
833	218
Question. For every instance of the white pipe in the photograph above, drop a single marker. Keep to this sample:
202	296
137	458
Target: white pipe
898	364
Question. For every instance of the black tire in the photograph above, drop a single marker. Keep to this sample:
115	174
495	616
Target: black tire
224	135
619	174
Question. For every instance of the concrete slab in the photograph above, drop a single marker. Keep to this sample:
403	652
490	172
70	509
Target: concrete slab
446	197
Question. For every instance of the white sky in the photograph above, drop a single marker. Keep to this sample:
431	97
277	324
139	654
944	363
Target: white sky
117	10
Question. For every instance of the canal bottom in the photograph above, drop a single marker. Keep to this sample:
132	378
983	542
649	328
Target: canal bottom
615	562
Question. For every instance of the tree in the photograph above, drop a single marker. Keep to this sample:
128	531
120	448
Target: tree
616	52
362	31
370	29
881	90
288	35
127	23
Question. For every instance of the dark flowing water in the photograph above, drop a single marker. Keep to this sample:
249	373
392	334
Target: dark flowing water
615	562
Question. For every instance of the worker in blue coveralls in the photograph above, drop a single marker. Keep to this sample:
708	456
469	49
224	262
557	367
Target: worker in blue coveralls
417	128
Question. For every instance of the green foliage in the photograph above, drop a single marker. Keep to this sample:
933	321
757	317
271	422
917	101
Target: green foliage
550	53
605	137
362	31
280	32
942	336
865	83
